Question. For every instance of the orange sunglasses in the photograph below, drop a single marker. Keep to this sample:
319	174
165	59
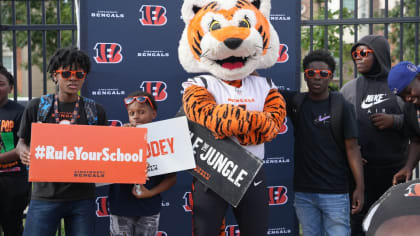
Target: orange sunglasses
67	74
139	99
311	73
361	53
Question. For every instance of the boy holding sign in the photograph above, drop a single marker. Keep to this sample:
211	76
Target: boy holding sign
75	202
136	211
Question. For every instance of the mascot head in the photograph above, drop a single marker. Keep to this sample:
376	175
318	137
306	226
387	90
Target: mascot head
227	38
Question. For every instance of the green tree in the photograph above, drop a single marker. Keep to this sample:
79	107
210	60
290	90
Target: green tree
36	18
333	33
408	29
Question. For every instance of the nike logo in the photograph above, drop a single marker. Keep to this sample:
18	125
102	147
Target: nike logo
320	118
257	183
372	100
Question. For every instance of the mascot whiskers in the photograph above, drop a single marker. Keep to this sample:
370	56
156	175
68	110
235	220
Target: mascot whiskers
228	40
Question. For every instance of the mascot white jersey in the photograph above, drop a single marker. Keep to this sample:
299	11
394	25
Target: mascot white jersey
229	40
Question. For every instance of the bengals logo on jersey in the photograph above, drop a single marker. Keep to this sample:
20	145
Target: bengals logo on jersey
153	15
188	202
277	195
156	88
108	53
102	206
283	53
413	190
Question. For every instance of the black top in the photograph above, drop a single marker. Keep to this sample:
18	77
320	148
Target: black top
320	164
123	203
412	120
381	148
10	116
59	191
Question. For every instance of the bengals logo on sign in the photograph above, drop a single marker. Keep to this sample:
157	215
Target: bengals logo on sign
283	53
153	15
116	123
232	230
102	207
188	202
108	53
161	233
156	88
277	195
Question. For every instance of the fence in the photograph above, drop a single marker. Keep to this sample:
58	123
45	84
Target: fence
31	30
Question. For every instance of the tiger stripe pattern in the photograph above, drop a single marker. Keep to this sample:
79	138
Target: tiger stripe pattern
250	127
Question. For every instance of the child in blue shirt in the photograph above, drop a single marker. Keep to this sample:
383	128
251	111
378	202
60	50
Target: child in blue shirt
137	212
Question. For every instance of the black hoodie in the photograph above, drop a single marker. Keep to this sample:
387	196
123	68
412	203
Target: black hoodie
370	94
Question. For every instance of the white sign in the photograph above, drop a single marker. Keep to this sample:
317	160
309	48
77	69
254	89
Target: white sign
169	146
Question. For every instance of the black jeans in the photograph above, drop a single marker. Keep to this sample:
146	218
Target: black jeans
14	196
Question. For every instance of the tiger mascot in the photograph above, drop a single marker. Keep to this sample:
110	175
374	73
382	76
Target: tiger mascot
229	40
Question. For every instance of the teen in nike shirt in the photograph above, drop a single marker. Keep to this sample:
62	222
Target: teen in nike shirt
380	119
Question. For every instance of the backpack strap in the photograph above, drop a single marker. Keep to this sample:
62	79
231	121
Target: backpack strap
90	110
47	101
44	107
336	110
297	101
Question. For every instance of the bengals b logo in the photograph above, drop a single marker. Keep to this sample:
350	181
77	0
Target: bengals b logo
284	127
116	123
102	207
156	88
232	230
413	190
108	53
161	233
188	202
283	53
277	195
153	15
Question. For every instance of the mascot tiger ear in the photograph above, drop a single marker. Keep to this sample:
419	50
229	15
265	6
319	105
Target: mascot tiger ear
227	38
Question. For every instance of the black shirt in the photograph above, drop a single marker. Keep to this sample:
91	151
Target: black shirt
412	120
59	191
123	203
10	116
320	164
381	148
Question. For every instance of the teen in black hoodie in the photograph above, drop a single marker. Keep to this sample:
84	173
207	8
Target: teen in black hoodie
380	119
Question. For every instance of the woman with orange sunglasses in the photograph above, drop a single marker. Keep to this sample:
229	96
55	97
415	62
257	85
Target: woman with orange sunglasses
379	116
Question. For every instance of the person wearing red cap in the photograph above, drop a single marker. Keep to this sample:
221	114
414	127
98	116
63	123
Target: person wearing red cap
404	80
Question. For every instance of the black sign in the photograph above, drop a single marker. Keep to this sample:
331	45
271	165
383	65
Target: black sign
222	165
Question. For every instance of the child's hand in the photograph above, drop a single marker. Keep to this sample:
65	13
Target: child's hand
145	193
129	125
25	157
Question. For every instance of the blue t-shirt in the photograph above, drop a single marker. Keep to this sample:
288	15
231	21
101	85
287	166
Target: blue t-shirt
123	203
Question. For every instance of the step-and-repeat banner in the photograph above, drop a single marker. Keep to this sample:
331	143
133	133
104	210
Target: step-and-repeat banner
133	46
